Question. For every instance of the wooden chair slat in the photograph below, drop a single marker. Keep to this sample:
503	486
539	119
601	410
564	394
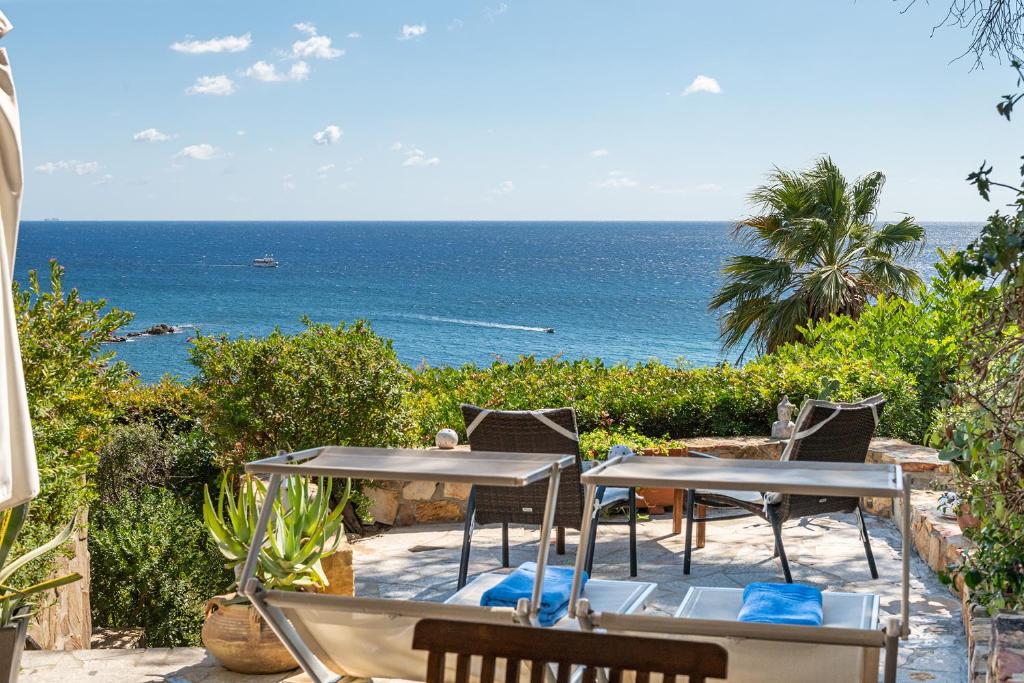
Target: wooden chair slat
487	667
435	667
564	672
537	671
512	670
462	669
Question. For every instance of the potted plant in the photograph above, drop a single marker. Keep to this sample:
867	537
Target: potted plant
302	532
14	610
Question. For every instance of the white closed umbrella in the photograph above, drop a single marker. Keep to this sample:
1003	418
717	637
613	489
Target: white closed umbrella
19	475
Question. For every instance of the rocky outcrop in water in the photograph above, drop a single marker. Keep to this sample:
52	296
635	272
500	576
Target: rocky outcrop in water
154	331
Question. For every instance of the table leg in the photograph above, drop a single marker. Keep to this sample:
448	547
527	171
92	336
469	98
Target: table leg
701	536
677	512
677	518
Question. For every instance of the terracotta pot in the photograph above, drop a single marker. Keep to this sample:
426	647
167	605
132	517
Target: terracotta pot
12	644
239	638
967	521
654	499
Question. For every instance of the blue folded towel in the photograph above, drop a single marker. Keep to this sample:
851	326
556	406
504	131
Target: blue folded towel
554	596
781	603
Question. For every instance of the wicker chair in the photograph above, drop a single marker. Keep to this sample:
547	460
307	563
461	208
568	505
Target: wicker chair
534	431
824	432
559	656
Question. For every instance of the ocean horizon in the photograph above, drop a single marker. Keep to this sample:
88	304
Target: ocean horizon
446	292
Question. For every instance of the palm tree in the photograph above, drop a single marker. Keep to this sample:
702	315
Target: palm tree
818	253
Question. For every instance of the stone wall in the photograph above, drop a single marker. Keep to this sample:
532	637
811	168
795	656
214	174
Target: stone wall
407	503
65	620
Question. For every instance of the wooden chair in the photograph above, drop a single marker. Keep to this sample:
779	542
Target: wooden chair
824	432
535	431
563	651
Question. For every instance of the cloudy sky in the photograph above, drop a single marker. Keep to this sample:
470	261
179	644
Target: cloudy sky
146	109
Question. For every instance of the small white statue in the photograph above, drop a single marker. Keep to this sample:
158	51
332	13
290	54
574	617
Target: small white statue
783	428
447	439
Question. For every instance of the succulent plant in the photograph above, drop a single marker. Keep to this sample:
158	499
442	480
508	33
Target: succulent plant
302	530
11	598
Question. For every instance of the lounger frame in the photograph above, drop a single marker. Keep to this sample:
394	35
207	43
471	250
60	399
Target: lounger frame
493	469
811	478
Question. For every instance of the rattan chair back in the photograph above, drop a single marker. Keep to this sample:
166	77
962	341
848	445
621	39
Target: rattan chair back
830	432
527	431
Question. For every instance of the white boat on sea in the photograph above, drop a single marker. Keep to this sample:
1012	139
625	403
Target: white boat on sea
267	261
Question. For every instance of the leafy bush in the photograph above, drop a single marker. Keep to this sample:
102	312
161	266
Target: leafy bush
69	380
594	445
653	399
923	337
325	385
984	432
153	566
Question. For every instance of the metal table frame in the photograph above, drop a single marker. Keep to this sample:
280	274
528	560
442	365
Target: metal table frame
808	478
474	467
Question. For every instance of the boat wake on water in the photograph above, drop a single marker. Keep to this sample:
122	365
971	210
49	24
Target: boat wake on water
478	323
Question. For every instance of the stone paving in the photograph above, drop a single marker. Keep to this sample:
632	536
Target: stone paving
421	562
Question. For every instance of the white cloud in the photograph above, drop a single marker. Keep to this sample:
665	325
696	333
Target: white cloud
268	73
288	182
324	170
200	152
225	44
493	14
328	136
616	180
240	133
355	34
685	189
456	24
410	31
104	179
703	84
212	85
416	157
70	166
151	135
504	187
597	153
314	47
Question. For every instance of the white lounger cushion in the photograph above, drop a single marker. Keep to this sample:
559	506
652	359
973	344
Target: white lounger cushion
618	597
762	661
380	646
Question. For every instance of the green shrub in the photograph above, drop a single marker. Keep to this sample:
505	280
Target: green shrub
594	445
325	385
656	400
69	379
153	566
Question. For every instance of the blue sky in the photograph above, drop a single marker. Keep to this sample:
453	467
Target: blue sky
490	110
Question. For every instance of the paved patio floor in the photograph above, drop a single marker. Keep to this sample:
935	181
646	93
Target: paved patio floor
421	562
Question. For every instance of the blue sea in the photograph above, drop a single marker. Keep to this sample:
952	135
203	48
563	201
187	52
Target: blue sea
447	293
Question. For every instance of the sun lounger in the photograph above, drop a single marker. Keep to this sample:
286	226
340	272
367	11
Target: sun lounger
331	636
851	622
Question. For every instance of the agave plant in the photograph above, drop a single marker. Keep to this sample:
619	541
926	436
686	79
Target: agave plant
11	599
303	529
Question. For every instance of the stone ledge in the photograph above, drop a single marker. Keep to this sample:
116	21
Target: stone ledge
406	503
